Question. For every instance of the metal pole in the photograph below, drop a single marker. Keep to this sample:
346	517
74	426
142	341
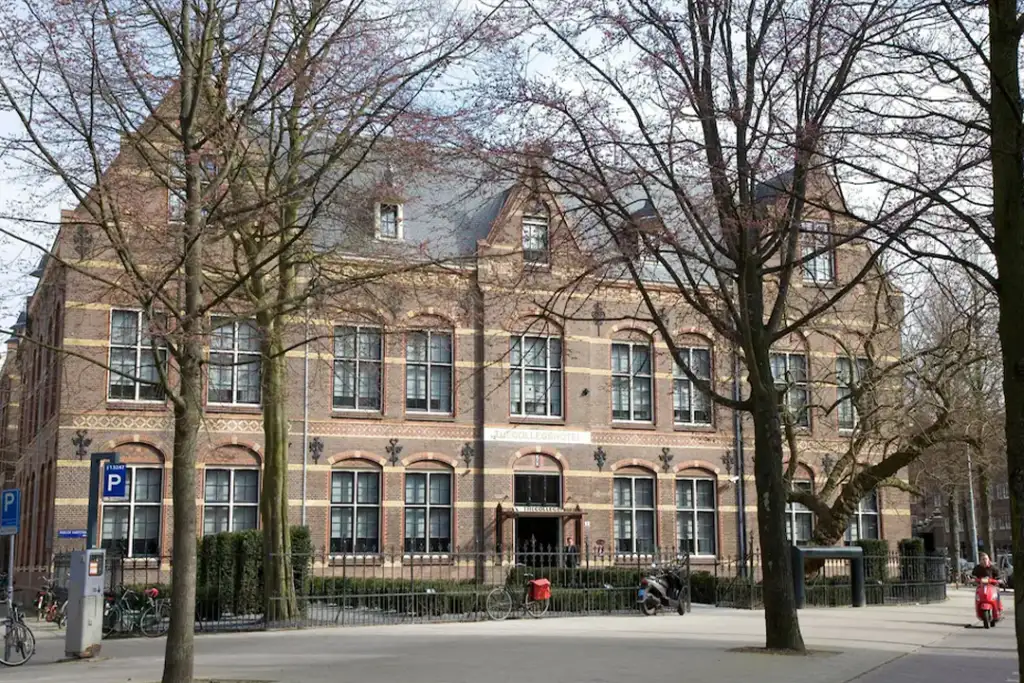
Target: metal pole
973	521
94	495
305	417
10	570
737	417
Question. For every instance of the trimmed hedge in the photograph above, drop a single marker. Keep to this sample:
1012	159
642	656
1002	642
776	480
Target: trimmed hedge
912	559
876	560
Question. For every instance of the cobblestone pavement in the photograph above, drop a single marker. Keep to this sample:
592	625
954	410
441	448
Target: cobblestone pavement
908	644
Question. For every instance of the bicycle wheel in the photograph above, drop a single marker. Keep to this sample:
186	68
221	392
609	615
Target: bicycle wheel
111	620
62	615
18	644
155	621
499	604
538	608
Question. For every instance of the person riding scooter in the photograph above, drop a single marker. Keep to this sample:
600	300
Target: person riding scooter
985	570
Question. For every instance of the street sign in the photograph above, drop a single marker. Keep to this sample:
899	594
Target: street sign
71	533
115	481
10	511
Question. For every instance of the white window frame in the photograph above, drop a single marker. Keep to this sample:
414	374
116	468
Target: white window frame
378	214
431	365
632	375
139	347
633	508
355	506
858	516
231	504
554	375
784	386
679	378
427	507
236	361
132	505
696	510
1002	491
357	364
849	374
534	228
795	511
818	268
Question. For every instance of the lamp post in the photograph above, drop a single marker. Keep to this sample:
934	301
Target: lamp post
81	442
600	457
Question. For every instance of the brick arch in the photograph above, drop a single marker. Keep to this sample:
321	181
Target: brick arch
651	331
534	320
233	449
698	465
138	450
356	455
428	456
543	450
695	332
432	312
807	468
635	462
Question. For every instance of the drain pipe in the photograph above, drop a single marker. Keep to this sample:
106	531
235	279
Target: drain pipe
305	416
741	483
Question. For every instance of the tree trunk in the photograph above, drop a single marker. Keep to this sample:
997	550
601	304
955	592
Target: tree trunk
1008	223
279	588
782	625
985	508
953	537
178	656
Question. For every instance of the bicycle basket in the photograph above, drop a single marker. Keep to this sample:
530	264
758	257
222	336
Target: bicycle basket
540	589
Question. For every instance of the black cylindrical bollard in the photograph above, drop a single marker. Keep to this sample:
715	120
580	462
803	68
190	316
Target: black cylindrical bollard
857	581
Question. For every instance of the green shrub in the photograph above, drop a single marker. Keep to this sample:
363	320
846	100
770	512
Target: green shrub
248	587
703	587
302	557
876	560
912	560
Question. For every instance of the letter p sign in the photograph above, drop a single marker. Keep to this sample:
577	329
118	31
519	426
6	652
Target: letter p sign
10	511
115	481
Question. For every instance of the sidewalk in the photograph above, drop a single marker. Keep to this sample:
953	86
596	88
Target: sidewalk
850	642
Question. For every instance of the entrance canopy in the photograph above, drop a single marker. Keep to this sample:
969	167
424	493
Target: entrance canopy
535	511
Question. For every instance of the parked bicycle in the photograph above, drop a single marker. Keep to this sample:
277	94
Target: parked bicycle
52	603
18	642
123	615
534	598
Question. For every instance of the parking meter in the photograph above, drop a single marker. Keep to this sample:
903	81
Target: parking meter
85	603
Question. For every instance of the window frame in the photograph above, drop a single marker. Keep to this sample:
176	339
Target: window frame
856	367
530	255
231	503
549	370
823	243
139	348
427	507
358	362
793	513
429	364
132	505
678	376
355	506
857	517
631	375
633	508
379	221
235	353
783	388
695	509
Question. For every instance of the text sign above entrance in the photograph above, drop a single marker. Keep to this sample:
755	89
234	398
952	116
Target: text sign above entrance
538	436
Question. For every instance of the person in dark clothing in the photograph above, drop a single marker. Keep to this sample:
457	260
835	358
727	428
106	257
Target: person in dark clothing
571	553
986	570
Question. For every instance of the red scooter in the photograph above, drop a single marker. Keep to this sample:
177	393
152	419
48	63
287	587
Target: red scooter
986	602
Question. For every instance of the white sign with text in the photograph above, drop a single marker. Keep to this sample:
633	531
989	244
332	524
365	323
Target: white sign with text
538	436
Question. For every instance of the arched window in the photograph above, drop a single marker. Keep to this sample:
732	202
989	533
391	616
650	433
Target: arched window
632	379
536	235
234	375
696	524
792	383
428	510
691	404
799	518
355	508
864	520
635	504
535	382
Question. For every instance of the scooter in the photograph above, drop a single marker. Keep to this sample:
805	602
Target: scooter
663	589
987	606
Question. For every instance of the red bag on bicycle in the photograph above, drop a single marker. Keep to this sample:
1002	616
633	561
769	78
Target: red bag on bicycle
540	589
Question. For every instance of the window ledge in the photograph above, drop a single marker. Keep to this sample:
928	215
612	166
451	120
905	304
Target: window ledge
534	266
369	560
356	414
244	409
429	417
428	558
623	424
117	404
526	420
685	427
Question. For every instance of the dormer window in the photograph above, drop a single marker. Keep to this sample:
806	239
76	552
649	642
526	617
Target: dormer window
389	221
535	240
817	253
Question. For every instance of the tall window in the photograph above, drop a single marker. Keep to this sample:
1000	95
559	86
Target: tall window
695	515
848	376
631	382
634	514
691	404
428	372
231	500
234	363
131	528
355	512
428	512
799	518
789	371
535	240
537	490
817	254
133	367
864	521
1002	492
358	355
536	381
389	217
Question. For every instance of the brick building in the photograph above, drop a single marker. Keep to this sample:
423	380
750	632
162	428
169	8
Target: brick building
442	412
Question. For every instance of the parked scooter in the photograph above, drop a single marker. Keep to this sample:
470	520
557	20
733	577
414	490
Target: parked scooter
987	606
662	589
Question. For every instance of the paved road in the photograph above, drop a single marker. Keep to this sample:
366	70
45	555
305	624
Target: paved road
873	645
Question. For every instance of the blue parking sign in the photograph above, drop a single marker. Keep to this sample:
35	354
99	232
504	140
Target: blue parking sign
115	481
10	511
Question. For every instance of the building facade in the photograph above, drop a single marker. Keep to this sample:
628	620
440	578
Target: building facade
434	411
